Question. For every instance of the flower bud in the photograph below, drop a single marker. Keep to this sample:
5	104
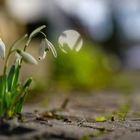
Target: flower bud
27	57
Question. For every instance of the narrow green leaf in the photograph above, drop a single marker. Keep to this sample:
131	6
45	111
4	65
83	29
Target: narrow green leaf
37	31
1	108
16	94
13	76
17	73
27	83
1	85
20	101
3	92
8	99
1	96
19	105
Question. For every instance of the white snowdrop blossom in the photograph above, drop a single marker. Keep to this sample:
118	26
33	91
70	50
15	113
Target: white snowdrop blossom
51	47
27	57
42	50
70	40
2	49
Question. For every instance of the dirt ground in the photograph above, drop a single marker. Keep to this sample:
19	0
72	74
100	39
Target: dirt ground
102	116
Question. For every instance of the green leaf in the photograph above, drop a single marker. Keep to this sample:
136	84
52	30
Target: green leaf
1	108
3	87
27	83
51	47
16	93
3	91
37	31
100	119
1	96
22	97
13	76
8	99
19	104
17	73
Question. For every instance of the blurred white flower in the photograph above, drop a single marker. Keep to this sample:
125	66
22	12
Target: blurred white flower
70	40
2	49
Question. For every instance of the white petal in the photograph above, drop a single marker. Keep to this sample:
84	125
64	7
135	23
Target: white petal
2	49
18	57
51	47
28	57
43	56
42	50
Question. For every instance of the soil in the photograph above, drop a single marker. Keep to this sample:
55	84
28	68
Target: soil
102	116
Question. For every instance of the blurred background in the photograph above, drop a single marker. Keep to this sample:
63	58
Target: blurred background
109	58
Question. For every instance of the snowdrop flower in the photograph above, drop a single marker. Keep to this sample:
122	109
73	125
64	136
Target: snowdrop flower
42	50
2	49
45	46
70	40
27	57
51	47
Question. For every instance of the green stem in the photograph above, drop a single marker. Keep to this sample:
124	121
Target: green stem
27	44
7	60
25	47
44	35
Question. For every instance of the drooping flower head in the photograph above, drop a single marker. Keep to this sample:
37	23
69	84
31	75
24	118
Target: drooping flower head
27	57
45	46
